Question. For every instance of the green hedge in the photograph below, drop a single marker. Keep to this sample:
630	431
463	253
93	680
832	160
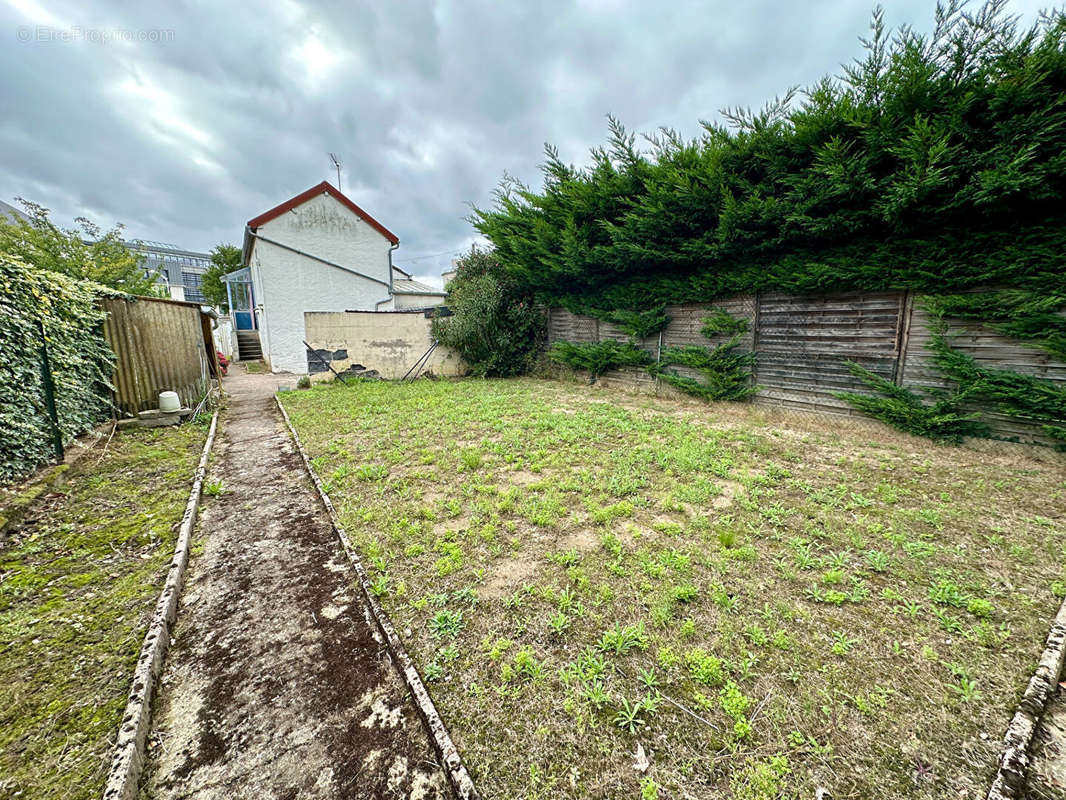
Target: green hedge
80	358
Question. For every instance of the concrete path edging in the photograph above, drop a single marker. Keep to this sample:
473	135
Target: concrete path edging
1010	780
128	760
454	769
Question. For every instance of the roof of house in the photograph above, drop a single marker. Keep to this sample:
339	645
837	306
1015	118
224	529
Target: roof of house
323	188
8	210
414	287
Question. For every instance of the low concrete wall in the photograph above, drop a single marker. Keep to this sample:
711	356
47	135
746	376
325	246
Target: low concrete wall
387	341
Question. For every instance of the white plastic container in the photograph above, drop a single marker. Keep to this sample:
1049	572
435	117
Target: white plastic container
169	402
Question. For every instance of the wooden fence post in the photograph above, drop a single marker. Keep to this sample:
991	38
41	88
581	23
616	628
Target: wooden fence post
903	335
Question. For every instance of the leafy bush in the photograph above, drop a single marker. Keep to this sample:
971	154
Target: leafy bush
599	357
1009	392
494	326
1030	316
638	324
80	359
944	420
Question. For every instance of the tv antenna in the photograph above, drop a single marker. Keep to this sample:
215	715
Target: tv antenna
337	164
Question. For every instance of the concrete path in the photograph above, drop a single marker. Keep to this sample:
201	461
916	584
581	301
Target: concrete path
275	686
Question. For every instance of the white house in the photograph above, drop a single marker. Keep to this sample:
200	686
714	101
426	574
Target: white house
318	251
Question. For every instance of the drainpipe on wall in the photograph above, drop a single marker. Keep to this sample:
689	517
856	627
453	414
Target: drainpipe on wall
378	304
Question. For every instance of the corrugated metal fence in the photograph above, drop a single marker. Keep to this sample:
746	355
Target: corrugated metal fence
160	345
803	343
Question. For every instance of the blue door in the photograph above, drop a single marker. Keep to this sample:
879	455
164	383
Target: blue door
241	302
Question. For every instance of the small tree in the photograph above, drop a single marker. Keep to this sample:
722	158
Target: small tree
494	326
84	252
225	258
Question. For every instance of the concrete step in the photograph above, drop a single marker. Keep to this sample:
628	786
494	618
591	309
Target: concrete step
248	346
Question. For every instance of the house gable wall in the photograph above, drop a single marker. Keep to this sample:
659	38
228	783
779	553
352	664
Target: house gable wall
287	284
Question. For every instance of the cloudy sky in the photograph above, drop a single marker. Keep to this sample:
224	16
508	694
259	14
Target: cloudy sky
183	119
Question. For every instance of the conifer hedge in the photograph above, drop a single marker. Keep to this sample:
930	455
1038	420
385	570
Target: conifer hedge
80	359
936	162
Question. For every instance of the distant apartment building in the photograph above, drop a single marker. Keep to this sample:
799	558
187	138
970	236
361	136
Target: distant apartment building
181	271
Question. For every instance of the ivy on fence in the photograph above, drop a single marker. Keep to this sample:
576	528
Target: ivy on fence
80	359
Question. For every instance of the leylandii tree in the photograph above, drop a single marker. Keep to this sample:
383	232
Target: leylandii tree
935	162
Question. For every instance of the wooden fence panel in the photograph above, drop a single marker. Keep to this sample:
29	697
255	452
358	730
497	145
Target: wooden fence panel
804	344
566	327
686	322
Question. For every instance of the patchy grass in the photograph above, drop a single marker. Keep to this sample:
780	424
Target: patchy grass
78	583
765	608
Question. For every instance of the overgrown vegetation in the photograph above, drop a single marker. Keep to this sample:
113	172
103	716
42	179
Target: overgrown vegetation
1008	392
494	324
722	322
944	419
638	324
79	578
726	371
765	609
1030	316
599	357
86	252
956	412
40	308
935	163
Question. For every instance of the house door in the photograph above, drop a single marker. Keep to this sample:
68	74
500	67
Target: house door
242	301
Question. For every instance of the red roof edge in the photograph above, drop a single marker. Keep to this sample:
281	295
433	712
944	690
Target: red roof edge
323	188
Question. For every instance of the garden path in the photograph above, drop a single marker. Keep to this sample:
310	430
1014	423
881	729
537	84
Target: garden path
276	686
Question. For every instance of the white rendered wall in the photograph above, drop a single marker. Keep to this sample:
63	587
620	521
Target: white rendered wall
225	337
418	300
287	284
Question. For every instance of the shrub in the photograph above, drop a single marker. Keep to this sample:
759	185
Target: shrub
494	324
904	410
932	163
726	371
599	357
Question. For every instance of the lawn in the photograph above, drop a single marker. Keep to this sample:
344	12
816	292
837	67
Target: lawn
79	580
757	604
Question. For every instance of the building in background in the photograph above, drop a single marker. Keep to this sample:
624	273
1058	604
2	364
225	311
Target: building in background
181	271
12	214
317	251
